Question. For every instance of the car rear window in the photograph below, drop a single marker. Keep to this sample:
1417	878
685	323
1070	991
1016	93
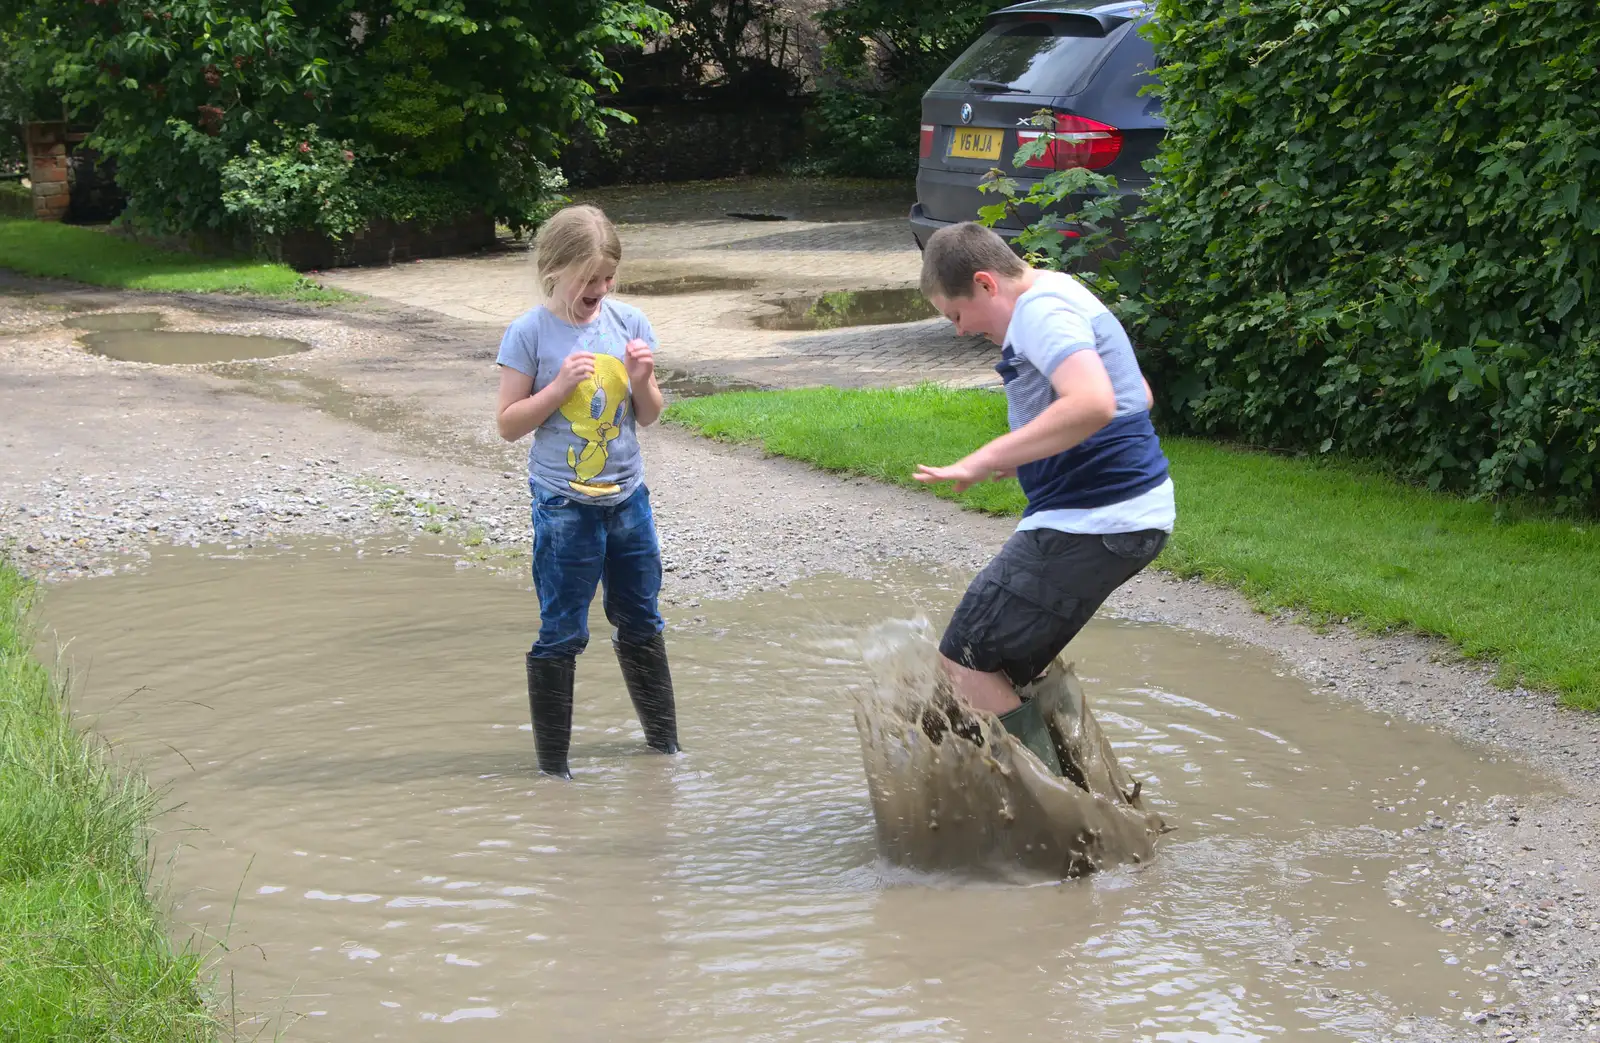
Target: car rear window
1033	57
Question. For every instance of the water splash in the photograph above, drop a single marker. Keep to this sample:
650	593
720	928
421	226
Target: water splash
952	791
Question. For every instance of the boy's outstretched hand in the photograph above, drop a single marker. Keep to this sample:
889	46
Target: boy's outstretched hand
962	473
639	361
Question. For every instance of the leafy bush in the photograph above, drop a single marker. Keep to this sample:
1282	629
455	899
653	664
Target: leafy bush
856	133
1081	241
290	185
903	42
465	102
880	58
1374	230
302	180
16	199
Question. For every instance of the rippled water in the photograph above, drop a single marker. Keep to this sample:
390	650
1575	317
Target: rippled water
348	740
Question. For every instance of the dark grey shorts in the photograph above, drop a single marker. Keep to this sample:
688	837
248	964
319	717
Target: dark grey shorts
1036	595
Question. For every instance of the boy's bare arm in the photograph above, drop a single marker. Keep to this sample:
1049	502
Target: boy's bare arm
1085	403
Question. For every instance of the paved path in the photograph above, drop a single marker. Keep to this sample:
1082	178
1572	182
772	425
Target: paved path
832	237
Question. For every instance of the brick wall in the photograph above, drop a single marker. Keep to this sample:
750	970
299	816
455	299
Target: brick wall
383	242
48	168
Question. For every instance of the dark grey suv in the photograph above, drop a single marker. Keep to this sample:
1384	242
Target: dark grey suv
1084	60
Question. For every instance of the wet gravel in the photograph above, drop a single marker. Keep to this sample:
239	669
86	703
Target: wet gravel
104	461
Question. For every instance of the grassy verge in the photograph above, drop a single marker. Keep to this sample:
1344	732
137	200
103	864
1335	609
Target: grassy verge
84	954
58	251
1321	537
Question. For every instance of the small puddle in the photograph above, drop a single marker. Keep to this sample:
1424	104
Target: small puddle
676	384
827	311
138	337
686	284
346	731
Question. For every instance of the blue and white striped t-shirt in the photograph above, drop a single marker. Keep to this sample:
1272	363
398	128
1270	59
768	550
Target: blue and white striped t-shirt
1116	480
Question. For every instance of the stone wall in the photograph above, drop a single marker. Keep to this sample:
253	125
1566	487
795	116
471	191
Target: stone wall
691	141
48	169
383	242
70	181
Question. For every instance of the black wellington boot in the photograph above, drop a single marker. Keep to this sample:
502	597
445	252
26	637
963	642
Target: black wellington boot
649	681
550	703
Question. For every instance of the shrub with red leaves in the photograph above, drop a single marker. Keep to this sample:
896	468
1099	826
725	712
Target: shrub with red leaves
210	119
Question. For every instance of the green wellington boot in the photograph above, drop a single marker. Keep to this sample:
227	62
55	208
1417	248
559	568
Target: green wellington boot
1026	725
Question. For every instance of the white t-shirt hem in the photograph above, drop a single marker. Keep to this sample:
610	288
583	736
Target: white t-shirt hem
1155	509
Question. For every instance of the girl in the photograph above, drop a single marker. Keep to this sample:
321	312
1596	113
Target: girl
578	371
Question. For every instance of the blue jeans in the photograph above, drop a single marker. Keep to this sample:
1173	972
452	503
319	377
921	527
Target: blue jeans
578	546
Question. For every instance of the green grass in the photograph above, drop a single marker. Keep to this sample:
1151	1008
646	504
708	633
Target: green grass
46	248
1327	538
84	953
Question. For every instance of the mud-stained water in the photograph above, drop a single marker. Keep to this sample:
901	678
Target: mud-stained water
682	285
828	311
137	336
954	791
348	738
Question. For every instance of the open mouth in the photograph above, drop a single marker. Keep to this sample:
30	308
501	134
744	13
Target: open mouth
589	303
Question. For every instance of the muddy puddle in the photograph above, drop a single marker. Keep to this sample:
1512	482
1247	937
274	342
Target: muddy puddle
139	337
686	284
827	311
345	731
678	384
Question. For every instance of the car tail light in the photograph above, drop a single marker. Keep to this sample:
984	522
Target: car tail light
926	143
1076	142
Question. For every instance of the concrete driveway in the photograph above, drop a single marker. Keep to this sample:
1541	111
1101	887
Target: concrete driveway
706	277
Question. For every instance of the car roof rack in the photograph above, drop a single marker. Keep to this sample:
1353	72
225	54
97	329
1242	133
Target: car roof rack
1109	15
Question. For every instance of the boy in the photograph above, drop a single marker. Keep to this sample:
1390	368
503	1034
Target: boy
1100	505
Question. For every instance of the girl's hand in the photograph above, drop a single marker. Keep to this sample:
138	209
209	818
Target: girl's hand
639	361
578	367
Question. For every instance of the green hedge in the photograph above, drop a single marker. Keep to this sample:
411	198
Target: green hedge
16	199
1375	233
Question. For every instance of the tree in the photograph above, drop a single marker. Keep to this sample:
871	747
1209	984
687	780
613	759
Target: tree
458	103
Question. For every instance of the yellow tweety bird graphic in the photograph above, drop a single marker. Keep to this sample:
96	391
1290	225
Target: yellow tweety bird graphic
594	410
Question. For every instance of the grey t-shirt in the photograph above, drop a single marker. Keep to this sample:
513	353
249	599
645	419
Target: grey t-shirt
586	449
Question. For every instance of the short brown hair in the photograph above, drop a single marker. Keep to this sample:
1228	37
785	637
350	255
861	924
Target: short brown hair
576	240
956	253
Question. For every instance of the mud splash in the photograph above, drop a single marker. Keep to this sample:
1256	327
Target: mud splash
953	792
344	736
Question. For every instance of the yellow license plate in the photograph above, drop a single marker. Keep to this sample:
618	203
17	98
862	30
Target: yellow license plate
976	143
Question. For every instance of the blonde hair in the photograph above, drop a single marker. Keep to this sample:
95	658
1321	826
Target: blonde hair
576	240
956	253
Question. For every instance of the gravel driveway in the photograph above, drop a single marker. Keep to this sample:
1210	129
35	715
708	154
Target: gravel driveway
386	425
